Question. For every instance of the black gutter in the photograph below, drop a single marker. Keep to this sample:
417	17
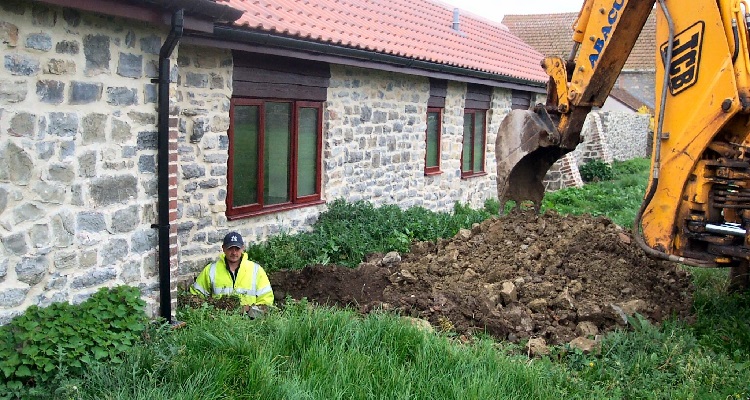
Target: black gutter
264	38
165	297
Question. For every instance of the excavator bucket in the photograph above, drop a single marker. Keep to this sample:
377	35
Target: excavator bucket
527	145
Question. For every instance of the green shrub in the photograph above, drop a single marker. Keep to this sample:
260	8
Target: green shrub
348	231
61	340
595	171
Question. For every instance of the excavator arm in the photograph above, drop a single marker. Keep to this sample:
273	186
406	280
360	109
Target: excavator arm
697	206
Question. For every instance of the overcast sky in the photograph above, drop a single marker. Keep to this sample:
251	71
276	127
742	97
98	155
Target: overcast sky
496	9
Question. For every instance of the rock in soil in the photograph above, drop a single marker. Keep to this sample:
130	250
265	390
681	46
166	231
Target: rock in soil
518	276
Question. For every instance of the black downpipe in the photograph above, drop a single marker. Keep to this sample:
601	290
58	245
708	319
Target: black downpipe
165	297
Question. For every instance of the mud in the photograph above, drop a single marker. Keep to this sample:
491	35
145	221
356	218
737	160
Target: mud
518	276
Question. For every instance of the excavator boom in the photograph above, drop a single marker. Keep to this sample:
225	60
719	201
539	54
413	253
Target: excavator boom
697	206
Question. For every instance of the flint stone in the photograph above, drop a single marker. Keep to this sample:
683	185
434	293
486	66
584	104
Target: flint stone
62	230
31	270
116	249
97	53
17	167
66	260
49	193
151	44
27	212
22	124
13	297
122	96
39	235
90	221
39	41
3	199
131	273
13	92
3	268
87	164
68	47
63	124
15	243
61	173
144	241
85	92
92	128
8	34
18	64
113	189
125	220
130	65
95	277
120	131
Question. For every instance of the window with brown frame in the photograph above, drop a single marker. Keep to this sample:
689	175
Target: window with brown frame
434	128
472	155
274	155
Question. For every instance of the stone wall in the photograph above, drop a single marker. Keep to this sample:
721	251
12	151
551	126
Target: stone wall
607	136
77	155
373	150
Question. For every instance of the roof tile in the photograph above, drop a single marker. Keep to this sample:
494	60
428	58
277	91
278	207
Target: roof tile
551	35
417	29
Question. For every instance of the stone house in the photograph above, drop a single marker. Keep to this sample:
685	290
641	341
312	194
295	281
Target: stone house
617	131
135	133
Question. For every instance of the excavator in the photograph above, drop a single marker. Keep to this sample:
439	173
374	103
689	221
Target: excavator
696	210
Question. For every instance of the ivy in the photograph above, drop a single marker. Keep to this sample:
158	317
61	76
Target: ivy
62	340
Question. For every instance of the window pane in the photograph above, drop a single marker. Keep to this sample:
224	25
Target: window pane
276	153
433	152
245	156
478	141
466	154
307	152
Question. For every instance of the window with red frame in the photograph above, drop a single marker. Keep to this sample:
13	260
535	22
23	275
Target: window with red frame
434	128
472	155
274	155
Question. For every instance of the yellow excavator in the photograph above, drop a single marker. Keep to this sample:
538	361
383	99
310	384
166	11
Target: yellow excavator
696	210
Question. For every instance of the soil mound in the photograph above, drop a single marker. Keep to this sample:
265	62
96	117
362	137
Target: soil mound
517	276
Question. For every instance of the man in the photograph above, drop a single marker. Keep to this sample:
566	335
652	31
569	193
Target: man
234	274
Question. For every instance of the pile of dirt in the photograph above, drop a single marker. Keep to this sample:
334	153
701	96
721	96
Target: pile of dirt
519	276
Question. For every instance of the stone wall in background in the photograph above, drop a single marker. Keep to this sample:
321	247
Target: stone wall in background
77	155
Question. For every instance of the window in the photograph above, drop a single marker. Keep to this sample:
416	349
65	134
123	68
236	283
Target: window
434	128
274	155
472	155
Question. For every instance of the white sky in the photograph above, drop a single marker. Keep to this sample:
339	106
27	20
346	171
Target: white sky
496	9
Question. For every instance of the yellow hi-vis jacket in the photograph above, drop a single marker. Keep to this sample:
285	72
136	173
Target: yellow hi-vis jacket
251	283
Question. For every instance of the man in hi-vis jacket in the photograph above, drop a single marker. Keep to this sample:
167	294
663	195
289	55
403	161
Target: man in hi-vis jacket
234	274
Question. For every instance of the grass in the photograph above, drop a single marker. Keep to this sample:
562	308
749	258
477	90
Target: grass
306	352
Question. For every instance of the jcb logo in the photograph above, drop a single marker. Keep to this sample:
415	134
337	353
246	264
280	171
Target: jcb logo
686	57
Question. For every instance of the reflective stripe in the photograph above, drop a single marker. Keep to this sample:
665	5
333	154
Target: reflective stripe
212	277
224	290
263	291
255	277
246	292
199	288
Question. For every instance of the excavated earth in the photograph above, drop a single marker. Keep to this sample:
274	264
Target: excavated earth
522	275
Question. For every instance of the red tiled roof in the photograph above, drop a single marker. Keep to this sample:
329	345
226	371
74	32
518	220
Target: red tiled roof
414	29
551	35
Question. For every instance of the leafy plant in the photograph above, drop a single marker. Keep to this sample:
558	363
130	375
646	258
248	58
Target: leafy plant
595	171
45	344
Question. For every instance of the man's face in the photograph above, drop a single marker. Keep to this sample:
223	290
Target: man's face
233	254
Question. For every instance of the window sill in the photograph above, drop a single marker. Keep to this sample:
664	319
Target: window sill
274	209
470	175
433	173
